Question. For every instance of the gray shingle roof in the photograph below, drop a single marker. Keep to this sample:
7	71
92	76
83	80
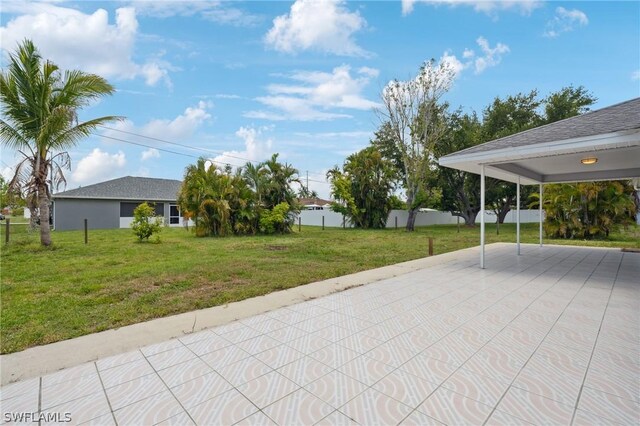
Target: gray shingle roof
128	188
615	118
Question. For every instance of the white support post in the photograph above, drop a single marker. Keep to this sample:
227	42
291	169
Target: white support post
540	214
482	216
518	215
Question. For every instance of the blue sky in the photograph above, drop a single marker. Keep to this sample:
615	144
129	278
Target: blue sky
241	80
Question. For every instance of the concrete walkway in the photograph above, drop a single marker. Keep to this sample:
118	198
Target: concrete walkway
552	336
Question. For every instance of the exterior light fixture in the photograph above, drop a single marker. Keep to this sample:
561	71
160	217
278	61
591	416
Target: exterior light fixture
589	160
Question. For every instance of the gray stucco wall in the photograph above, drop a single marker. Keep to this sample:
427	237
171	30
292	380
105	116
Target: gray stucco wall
70	214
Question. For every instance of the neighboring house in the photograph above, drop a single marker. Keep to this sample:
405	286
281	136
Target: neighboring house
110	204
314	203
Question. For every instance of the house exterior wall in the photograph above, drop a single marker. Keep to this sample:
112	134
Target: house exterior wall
69	214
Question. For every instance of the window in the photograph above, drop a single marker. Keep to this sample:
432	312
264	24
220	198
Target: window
174	214
126	209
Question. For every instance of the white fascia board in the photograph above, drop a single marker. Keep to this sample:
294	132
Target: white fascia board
626	139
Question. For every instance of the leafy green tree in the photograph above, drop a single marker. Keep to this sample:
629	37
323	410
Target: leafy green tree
40	106
567	102
413	111
145	222
587	210
363	189
460	190
280	178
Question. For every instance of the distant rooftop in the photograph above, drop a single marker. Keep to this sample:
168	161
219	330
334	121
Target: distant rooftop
313	201
128	188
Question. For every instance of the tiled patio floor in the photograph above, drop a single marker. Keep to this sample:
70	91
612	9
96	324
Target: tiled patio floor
550	337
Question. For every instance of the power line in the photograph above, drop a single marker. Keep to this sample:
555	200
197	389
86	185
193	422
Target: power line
191	147
173	152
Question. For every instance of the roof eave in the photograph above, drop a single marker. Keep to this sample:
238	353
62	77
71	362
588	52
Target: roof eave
623	139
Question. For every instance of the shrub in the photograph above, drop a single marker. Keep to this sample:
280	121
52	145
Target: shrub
276	219
146	223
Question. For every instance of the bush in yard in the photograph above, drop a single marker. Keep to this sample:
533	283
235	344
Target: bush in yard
277	219
145	222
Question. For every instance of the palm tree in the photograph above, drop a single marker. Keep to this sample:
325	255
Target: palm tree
40	107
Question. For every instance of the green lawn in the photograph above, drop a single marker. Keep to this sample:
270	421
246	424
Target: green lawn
74	289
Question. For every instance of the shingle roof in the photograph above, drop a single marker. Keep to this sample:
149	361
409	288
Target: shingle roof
311	201
615	118
128	188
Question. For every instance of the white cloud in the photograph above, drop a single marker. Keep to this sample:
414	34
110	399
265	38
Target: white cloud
453	62
313	93
214	11
322	25
174	130
635	76
226	96
98	166
488	7
149	154
255	148
75	40
489	57
492	56
564	21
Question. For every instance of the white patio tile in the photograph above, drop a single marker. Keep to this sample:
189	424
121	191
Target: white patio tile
406	388
304	370
267	389
70	390
212	342
125	372
134	390
452	408
375	408
84	409
334	355
116	360
152	410
534	408
184	372
200	389
611	407
170	357
336	388
243	371
366	370
225	356
161	347
225	409
298	408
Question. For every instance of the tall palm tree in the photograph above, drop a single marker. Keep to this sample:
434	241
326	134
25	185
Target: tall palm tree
40	107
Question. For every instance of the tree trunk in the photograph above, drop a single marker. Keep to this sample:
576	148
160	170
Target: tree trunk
411	219
33	219
43	203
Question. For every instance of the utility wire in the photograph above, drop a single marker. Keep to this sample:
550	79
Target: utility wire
191	147
173	152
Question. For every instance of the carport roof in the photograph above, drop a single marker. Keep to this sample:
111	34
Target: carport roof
127	188
553	153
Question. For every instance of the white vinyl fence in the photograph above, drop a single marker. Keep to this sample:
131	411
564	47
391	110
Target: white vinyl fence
335	220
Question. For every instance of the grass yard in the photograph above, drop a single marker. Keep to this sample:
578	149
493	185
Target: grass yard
74	289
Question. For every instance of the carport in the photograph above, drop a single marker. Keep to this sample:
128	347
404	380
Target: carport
599	145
